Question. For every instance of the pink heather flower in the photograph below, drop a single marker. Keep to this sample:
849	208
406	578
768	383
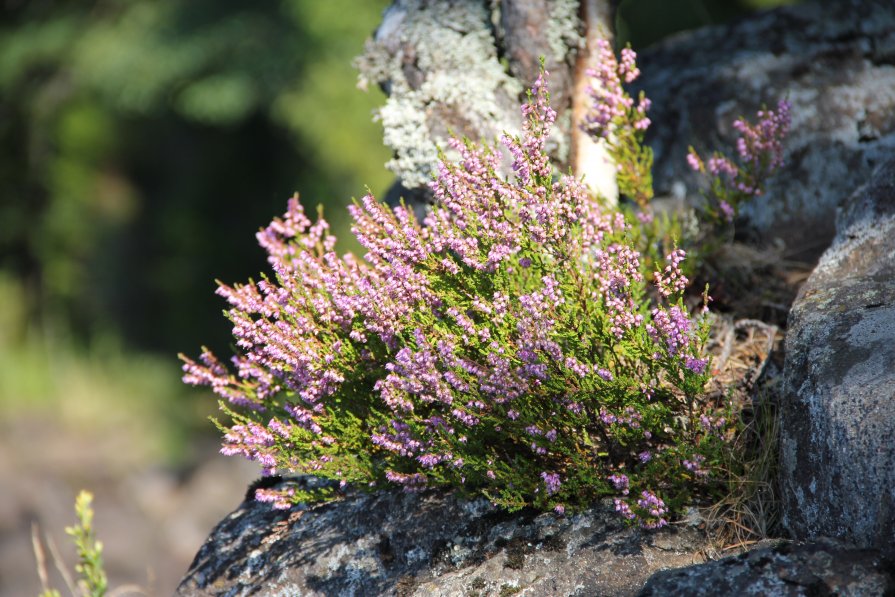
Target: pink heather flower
645	216
280	499
577	366
627	67
411	483
727	210
630	417
693	161
712	424
624	509
559	509
695	465
672	280
429	460
645	456
673	329
760	151
618	269
400	442
695	365
253	441
611	104
656	509
551	481
574	407
465	417
621	483
764	138
718	165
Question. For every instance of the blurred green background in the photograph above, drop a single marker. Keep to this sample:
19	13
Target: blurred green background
144	142
142	145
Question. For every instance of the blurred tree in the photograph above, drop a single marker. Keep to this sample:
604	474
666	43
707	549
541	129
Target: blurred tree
143	142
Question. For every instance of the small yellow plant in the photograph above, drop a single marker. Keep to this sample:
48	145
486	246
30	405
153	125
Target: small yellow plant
92	581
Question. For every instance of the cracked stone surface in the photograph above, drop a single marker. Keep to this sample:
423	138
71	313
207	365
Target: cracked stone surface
787	570
435	543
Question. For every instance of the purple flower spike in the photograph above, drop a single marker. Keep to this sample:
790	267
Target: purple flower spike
551	481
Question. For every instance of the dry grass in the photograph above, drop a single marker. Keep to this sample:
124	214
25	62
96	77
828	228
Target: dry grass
747	374
753	289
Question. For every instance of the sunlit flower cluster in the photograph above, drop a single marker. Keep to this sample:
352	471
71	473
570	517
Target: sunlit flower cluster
759	150
506	346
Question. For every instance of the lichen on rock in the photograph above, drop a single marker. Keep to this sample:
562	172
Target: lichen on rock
439	64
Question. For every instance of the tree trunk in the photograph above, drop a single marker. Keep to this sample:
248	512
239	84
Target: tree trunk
461	67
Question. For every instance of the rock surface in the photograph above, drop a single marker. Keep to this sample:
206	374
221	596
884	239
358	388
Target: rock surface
834	61
391	543
838	409
785	570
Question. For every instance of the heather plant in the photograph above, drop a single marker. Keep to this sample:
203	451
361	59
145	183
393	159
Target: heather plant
620	122
506	347
90	551
759	149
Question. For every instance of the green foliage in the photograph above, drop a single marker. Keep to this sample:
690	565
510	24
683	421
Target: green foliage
92	581
135	130
97	391
90	551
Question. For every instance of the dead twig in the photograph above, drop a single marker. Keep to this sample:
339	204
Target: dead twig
41	558
771	334
57	561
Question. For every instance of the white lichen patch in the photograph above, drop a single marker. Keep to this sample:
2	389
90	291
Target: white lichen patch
405	130
415	555
448	52
563	28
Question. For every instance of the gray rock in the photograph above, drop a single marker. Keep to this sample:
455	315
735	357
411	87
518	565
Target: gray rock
785	570
391	543
838	405
834	61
